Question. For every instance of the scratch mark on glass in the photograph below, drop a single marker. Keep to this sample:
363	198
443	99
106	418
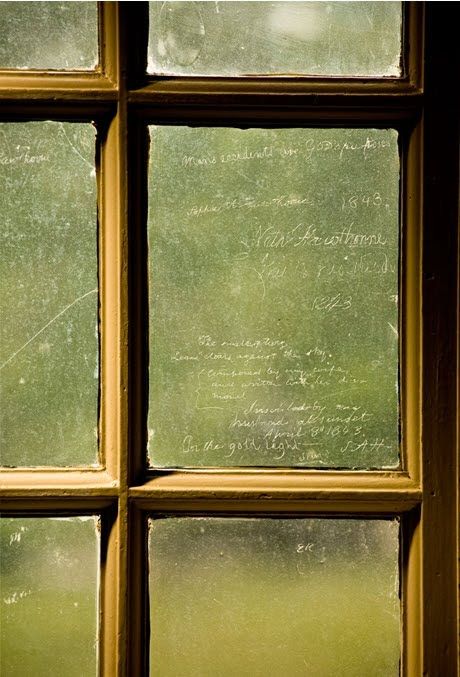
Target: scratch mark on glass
56	317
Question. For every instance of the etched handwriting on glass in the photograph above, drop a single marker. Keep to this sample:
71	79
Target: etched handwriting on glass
49	337
292	597
273	289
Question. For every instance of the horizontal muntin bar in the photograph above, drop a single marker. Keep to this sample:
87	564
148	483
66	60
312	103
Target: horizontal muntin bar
372	492
43	483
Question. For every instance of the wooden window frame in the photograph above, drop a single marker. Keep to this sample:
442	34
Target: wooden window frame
424	106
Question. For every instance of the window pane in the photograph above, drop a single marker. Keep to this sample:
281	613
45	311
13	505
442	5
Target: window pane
273	291
235	596
49	343
49	598
275	38
48	35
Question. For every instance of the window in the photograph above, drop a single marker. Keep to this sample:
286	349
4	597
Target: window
132	500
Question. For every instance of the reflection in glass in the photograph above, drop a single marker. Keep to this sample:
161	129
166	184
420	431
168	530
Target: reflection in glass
49	300
273	297
49	596
252	38
271	597
48	35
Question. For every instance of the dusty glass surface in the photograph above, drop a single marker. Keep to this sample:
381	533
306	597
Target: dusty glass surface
49	300
265	597
273	297
49	596
275	38
48	35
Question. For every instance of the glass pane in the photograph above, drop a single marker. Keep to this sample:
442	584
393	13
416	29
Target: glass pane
48	35
49	596
273	291
49	300
275	38
246	597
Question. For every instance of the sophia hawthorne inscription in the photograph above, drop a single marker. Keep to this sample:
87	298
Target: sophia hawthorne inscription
273	277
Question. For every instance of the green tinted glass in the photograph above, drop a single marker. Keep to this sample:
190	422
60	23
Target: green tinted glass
49	300
48	35
274	297
296	597
49	596
279	38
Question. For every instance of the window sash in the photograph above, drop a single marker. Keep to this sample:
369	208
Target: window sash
424	107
